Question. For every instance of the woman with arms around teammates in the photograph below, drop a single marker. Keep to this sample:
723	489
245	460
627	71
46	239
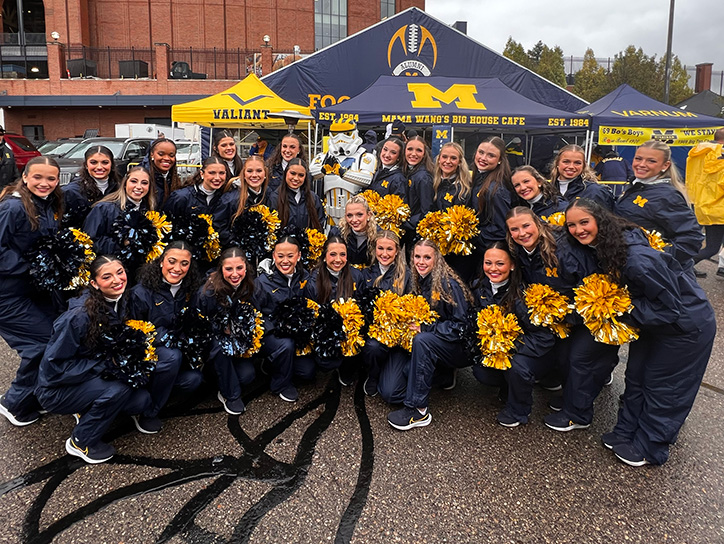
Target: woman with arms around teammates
573	178
533	357
289	148
72	378
548	257
29	209
135	193
676	333
165	288
282	277
537	192
437	344
224	147
386	367
96	179
656	201
297	205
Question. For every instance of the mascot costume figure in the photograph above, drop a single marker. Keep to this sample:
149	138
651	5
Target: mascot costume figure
346	168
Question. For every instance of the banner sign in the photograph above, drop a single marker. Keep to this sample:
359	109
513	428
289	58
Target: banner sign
687	137
441	134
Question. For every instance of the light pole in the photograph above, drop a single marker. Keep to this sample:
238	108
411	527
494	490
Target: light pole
667	68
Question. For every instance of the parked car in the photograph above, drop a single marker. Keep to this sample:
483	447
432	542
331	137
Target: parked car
125	151
22	148
188	157
57	148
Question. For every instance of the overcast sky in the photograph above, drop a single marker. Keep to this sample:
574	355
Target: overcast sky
606	26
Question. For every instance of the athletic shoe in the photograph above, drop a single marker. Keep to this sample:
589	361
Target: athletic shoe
559	421
406	418
556	403
18	421
346	378
611	440
699	273
289	394
720	272
233	407
449	380
609	381
147	425
98	453
629	454
506	420
76	416
550	383
370	386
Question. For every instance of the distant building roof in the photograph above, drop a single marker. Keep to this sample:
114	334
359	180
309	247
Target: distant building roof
706	102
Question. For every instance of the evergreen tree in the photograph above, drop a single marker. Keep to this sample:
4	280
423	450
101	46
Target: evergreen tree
679	82
551	65
534	55
590	82
635	68
515	52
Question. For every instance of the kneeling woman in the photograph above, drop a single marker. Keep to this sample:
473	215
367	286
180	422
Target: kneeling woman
437	344
281	279
165	288
72	377
677	327
502	285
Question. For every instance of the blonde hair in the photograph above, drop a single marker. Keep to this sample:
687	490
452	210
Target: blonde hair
441	275
546	239
371	229
398	282
587	175
463	180
671	172
244	187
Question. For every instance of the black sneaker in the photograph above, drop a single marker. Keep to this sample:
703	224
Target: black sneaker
609	381
720	272
406	418
556	403
370	386
699	273
506	420
18	421
629	454
233	407
559	421
99	453
449	380
550	383
611	440
345	377
289	394
147	425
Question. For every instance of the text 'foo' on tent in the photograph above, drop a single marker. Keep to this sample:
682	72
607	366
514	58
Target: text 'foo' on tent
626	116
474	103
248	104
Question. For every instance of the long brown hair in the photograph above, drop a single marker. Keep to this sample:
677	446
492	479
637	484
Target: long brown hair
87	183
120	196
26	197
95	305
426	162
284	194
238	163
398	282
221	289
244	187
587	175
496	179
441	276
345	282
546	240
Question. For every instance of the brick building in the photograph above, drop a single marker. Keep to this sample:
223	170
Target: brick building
69	65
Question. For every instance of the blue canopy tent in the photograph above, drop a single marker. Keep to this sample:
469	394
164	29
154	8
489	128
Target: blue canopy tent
477	103
410	43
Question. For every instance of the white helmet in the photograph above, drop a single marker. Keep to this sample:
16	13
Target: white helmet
344	138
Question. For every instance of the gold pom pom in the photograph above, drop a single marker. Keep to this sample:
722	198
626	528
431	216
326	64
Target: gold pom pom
656	241
258	335
600	302
451	230
149	329
316	244
163	227
272	222
352	322
390	210
497	333
211	245
83	277
548	308
558	218
371	197
394	315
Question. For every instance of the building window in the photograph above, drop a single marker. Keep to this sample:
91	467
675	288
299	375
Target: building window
34	133
387	8
330	22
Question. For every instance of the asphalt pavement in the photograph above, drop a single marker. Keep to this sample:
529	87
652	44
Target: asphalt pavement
329	468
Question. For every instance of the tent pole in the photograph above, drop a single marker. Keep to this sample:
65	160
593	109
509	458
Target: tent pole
529	147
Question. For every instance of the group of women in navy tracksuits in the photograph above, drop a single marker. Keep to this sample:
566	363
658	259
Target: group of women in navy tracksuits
521	242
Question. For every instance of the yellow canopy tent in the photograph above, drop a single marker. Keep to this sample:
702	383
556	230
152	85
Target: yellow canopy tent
248	104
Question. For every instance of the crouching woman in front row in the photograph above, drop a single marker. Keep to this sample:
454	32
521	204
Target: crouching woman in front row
72	377
438	344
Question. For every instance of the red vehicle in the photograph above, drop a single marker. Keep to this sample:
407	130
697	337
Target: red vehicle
22	148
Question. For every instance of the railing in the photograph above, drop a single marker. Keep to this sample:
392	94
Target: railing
110	62
14	38
227	63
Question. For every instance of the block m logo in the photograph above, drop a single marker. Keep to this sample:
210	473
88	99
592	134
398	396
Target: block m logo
429	97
